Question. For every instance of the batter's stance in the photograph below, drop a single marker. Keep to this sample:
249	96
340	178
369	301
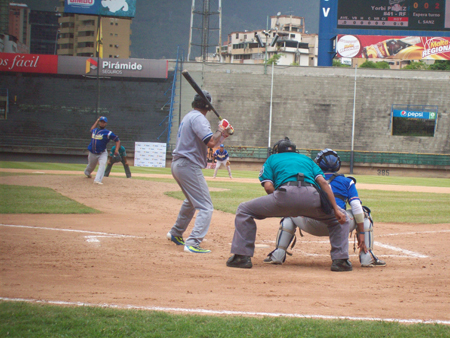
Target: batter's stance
189	158
290	181
97	149
344	189
222	158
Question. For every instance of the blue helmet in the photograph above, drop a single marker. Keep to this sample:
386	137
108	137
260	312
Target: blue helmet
328	160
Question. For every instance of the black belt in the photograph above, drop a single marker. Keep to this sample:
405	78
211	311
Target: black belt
297	184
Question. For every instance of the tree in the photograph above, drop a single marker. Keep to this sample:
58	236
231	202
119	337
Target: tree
440	65
338	63
368	64
419	65
274	59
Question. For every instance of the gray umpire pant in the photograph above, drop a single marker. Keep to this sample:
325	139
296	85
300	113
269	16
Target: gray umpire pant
190	178
291	201
93	159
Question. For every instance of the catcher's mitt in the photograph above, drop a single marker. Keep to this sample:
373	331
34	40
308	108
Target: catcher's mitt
116	158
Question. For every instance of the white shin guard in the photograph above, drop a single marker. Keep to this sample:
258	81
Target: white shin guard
366	259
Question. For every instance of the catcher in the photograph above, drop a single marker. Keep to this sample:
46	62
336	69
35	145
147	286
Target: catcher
345	192
222	158
121	157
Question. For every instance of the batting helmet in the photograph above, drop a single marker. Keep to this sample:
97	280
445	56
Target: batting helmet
199	102
328	160
284	146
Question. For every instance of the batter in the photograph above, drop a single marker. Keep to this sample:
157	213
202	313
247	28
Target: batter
189	158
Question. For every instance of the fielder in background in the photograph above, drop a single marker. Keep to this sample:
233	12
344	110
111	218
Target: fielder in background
188	159
222	158
100	136
344	190
114	159
290	180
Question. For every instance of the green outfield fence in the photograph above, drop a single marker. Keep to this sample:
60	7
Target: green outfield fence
261	153
358	156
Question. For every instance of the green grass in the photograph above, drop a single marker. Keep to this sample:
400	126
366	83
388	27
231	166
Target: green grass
35	320
118	168
18	199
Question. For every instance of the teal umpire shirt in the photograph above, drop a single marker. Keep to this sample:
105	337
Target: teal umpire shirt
284	167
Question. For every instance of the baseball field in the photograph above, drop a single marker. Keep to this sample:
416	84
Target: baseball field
110	251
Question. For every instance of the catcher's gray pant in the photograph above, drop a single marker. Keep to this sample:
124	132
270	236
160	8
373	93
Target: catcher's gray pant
190	178
291	201
288	227
93	159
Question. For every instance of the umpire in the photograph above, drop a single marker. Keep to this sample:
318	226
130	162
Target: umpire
290	181
112	158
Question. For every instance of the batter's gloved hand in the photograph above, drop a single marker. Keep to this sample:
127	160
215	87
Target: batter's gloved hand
225	127
116	158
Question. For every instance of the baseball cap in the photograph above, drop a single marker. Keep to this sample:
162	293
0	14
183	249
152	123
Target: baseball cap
103	119
221	145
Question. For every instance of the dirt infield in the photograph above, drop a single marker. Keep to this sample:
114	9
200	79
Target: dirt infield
122	257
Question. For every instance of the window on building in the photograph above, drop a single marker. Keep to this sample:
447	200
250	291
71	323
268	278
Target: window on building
237	35
3	103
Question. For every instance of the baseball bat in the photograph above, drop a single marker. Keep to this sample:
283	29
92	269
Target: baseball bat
198	90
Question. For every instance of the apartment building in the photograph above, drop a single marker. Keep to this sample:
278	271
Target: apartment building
19	28
286	37
78	35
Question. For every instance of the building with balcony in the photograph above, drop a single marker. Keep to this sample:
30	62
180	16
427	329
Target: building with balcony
285	37
78	35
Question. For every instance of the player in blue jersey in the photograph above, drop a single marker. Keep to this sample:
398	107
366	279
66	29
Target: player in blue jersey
222	158
344	190
100	136
188	159
292	182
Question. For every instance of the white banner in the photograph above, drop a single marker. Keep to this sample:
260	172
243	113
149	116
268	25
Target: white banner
150	154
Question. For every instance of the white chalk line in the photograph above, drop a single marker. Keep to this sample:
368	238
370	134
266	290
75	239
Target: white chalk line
92	239
226	312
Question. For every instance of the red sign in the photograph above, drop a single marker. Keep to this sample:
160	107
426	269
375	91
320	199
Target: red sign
393	47
28	63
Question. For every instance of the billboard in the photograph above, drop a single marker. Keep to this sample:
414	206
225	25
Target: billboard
119	8
426	115
141	68
150	154
394	14
28	63
393	47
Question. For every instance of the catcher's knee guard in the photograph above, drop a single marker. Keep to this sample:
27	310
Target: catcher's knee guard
286	234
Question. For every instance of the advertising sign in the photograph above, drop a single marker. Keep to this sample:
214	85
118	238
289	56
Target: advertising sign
395	14
28	63
414	114
393	47
119	8
150	154
142	68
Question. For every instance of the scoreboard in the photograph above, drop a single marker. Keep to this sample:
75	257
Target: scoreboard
431	15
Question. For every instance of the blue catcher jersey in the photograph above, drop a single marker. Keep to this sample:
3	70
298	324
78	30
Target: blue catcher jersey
99	140
343	187
284	167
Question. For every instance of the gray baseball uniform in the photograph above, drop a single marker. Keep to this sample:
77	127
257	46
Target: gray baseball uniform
189	158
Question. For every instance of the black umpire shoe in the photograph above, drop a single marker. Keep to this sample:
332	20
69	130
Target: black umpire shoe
239	261
341	265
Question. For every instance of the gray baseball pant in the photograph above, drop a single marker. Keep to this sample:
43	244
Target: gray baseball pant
93	159
292	201
190	178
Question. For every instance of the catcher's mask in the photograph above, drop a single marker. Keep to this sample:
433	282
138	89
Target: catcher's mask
328	160
284	146
200	103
